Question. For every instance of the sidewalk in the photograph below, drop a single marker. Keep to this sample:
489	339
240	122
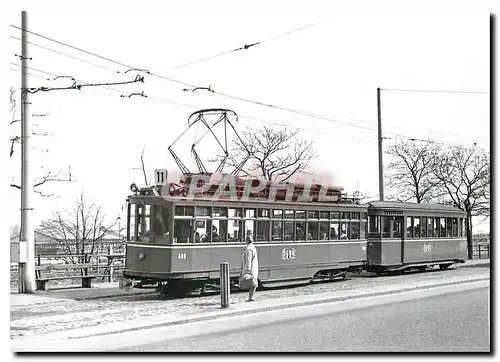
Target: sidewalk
103	290
239	308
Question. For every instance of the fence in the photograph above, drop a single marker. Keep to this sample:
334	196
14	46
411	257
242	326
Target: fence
481	251
107	263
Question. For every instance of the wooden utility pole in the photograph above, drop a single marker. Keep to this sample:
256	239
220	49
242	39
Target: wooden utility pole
27	235
380	151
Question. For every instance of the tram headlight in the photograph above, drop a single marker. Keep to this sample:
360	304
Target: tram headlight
134	188
141	256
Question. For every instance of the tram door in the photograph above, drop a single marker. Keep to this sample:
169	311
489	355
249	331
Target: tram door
393	250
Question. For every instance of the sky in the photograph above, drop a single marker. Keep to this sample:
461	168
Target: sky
331	68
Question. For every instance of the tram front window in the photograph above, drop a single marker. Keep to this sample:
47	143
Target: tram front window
142	220
160	225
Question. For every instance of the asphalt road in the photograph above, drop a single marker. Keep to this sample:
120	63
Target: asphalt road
453	322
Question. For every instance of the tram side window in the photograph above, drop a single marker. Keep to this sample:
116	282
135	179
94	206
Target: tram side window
335	215
460	221
373	226
143	222
346	215
277	214
464	230
312	230
416	227
288	230
203	211
442	227
324	215
249	229
219	212
437	230
313	214
324	230
277	230
263	213
454	227
355	216
448	227
234	231
362	230
334	231
235	212
345	229
262	231
355	230
300	230
202	228
219	231
300	214
386	226
423	228
430	227
396	227
289	214
409	227
250	213
183	230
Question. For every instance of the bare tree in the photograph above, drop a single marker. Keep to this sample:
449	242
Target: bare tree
410	174
464	174
79	232
274	153
47	176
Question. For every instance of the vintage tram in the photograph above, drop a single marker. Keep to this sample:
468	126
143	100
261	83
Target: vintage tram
179	242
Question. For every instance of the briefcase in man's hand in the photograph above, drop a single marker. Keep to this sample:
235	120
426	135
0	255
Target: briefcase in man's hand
247	281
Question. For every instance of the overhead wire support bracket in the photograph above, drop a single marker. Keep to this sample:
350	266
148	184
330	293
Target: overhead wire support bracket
21	57
198	88
64	76
137	69
134	94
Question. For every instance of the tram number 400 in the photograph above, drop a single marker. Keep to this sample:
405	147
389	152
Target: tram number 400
288	253
182	256
427	248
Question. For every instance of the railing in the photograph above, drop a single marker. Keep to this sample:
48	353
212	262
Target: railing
481	251
63	267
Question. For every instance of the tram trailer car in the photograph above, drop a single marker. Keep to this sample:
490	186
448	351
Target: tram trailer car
182	242
405	236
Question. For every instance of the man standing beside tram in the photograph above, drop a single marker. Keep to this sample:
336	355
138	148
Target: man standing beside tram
249	268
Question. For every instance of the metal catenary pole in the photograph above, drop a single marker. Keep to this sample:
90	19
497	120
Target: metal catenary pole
380	150
27	231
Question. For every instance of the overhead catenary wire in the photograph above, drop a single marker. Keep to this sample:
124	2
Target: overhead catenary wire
301	112
246	46
31	75
100	57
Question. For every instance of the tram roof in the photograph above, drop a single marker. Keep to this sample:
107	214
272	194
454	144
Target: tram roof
412	206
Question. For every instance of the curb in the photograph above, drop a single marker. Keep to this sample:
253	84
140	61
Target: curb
477	265
277	307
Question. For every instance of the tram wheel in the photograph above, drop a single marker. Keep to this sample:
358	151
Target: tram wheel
422	268
444	266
